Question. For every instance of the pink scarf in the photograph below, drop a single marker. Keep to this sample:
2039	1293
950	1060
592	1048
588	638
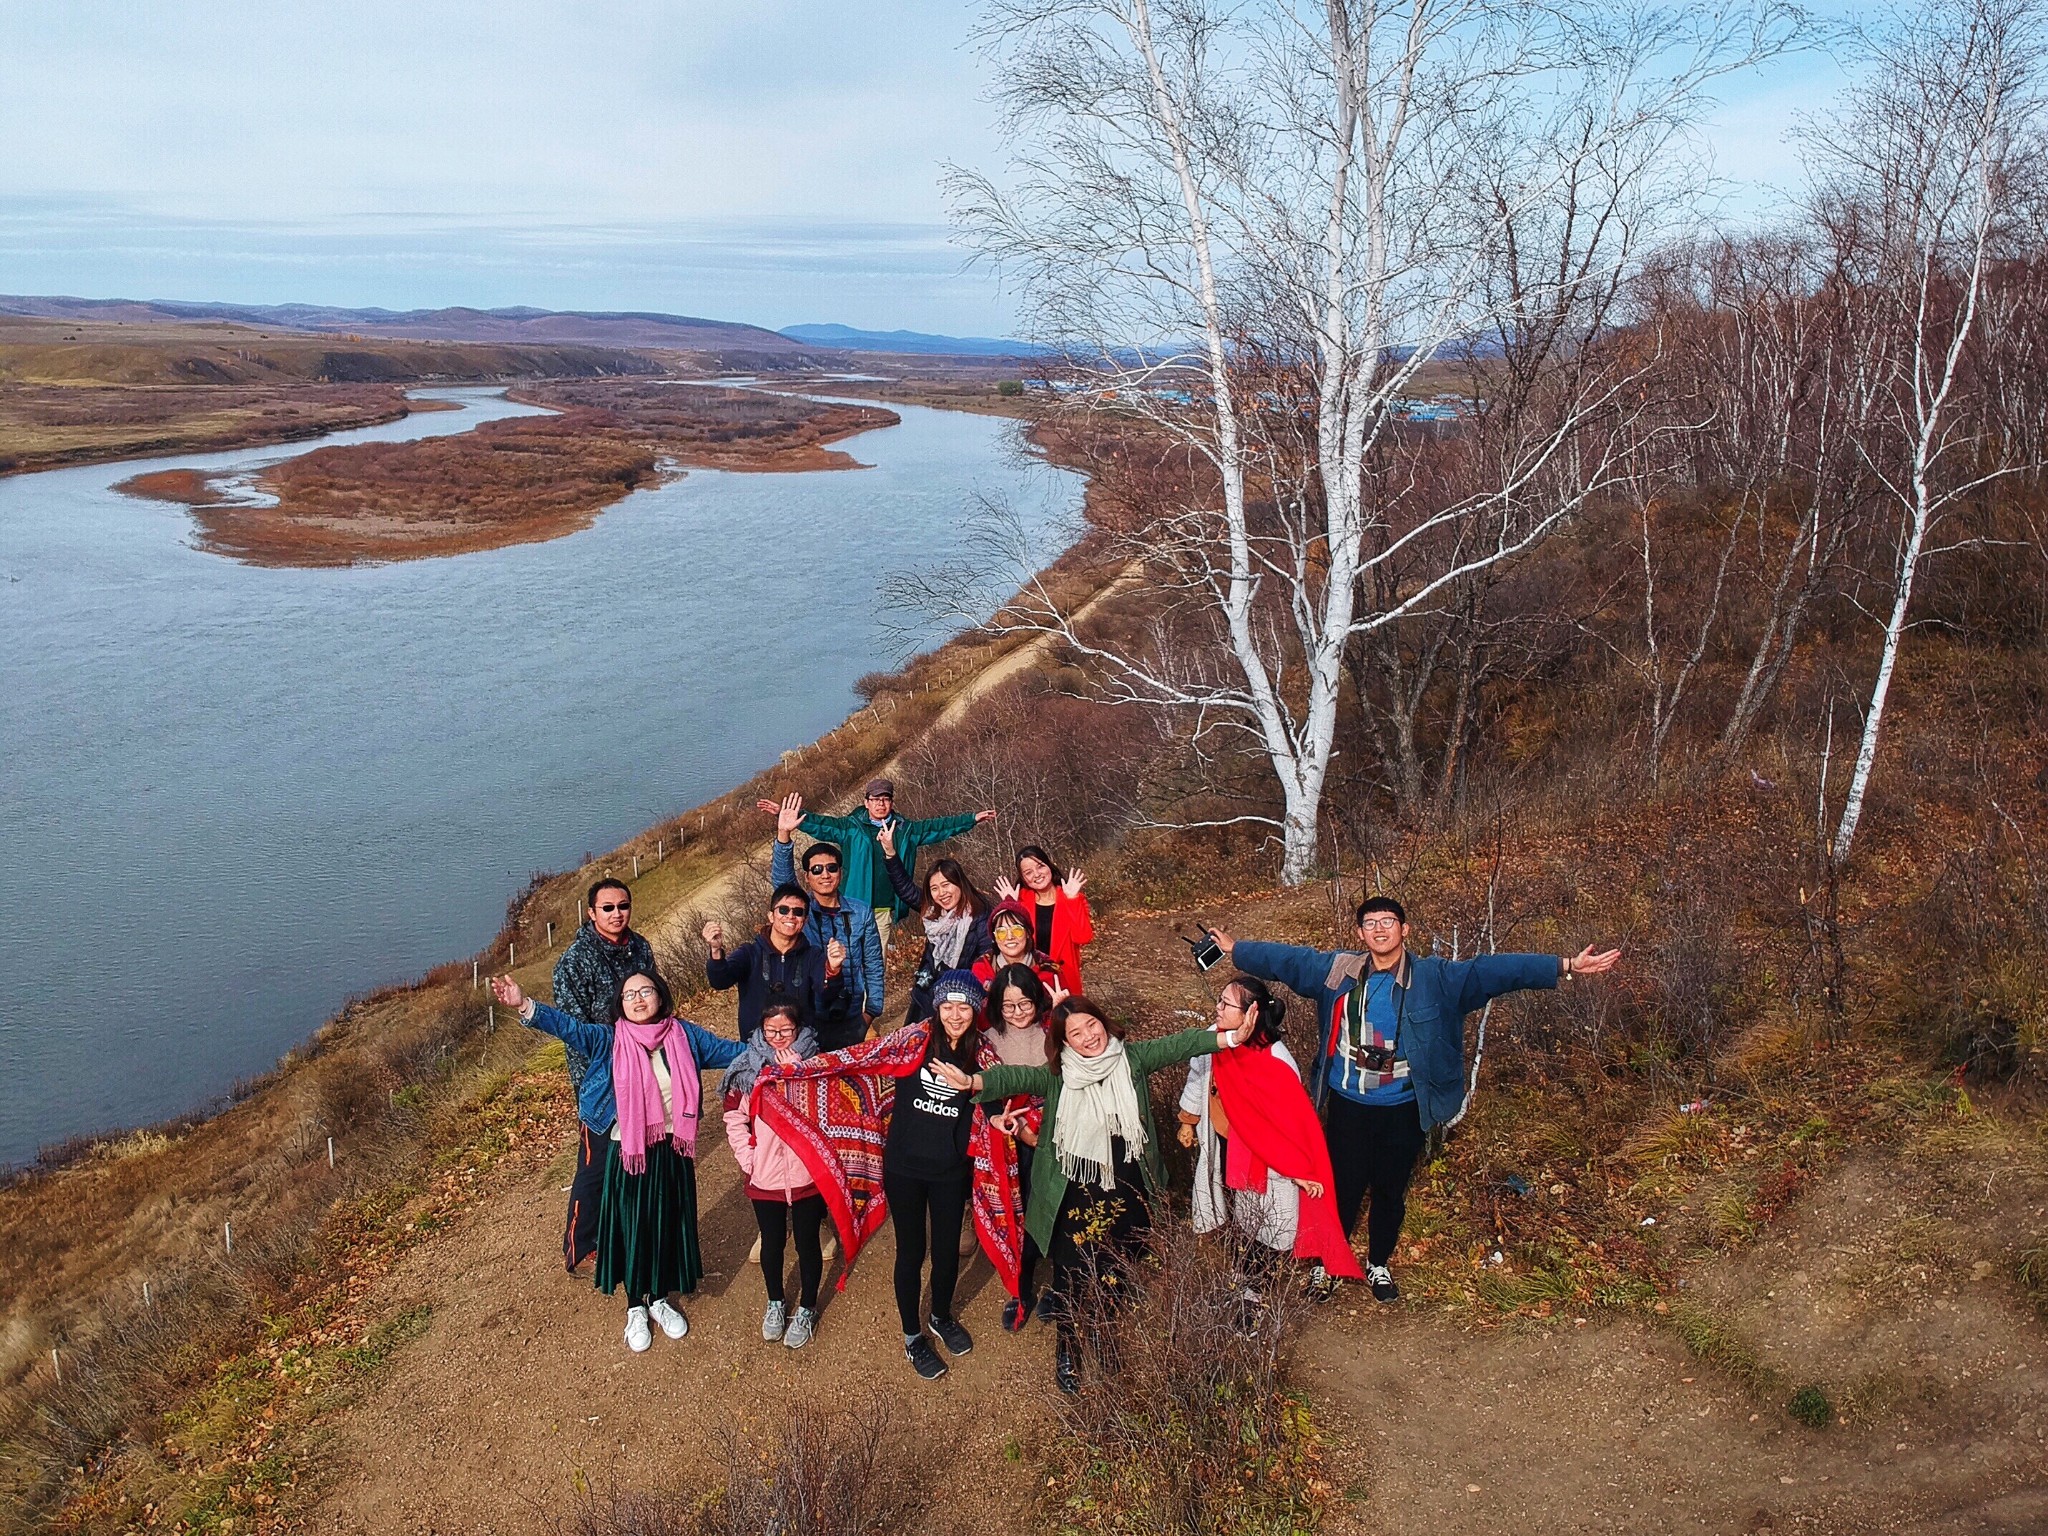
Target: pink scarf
641	1112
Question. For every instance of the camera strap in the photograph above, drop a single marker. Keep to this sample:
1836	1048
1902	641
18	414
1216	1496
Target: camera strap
1354	1006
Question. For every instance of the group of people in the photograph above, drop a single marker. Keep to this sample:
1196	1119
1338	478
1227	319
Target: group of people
1006	1103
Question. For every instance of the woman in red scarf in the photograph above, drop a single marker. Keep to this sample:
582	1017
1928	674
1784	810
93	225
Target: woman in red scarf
1262	1163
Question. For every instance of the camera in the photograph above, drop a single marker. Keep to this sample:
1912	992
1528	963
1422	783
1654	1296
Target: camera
1208	953
1376	1058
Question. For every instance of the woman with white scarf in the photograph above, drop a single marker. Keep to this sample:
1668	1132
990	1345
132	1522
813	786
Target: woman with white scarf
1098	1154
955	916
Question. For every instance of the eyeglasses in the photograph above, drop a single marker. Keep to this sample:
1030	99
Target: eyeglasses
1225	1005
789	911
821	869
613	906
1372	924
1019	1008
639	994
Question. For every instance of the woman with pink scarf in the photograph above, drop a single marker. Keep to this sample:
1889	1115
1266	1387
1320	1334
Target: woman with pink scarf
647	1215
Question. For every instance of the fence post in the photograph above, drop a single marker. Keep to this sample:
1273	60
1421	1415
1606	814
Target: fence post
145	1295
330	1151
227	1232
56	1365
511	955
474	979
551	935
636	866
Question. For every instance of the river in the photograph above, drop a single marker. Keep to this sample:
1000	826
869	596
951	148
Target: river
235	795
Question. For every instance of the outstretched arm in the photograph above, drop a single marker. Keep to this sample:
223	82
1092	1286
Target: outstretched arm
1295	966
578	1034
713	1052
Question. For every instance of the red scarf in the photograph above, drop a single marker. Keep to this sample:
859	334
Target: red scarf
833	1111
1273	1126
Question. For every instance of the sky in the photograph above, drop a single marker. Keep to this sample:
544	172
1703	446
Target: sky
771	161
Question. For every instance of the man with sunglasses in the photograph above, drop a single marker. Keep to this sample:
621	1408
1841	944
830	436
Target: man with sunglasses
866	875
1390	1063
781	965
834	914
603	954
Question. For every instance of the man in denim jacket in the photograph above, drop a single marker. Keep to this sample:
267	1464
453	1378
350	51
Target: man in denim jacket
1388	1059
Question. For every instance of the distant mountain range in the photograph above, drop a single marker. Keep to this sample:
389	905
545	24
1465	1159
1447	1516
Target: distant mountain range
682	333
847	339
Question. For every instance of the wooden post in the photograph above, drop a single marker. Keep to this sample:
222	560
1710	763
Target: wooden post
658	855
227	1232
330	1151
474	979
511	955
56	1365
636	866
551	935
145	1295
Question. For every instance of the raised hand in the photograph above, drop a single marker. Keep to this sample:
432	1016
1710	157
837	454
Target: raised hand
1073	883
981	816
885	834
1058	993
1223	940
1589	962
714	934
507	992
952	1076
1007	890
772	807
788	817
835	958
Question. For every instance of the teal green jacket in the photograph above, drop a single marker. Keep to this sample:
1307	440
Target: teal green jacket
1048	1182
865	879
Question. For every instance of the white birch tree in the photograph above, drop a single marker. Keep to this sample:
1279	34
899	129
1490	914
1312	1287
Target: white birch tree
1917	179
1257	224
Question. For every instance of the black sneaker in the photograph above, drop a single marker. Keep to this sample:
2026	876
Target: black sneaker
1015	1315
1066	1370
1321	1285
924	1359
1048	1306
958	1340
1381	1279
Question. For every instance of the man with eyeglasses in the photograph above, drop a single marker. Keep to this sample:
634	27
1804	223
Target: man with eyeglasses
865	875
834	914
603	954
781	965
1390	1064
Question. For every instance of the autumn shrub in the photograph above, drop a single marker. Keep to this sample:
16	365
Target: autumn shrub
818	1474
1977	972
1185	1423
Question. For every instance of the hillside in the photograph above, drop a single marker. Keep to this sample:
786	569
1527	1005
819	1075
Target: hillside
520	325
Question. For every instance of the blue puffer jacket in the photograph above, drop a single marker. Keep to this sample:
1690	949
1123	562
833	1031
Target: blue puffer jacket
852	923
594	1102
1431	995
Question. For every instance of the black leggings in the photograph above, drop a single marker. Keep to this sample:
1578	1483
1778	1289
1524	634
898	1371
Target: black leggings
1373	1148
1027	1268
801	1219
914	1204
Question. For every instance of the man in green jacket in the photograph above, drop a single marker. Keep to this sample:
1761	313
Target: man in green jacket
865	878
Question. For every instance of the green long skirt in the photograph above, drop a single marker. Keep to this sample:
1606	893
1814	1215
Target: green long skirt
647	1226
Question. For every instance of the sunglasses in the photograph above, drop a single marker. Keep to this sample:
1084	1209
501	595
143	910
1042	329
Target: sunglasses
789	911
821	869
613	906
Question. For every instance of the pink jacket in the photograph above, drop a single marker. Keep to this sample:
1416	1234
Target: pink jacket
772	1168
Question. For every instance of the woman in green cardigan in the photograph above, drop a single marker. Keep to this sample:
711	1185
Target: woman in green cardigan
1086	1209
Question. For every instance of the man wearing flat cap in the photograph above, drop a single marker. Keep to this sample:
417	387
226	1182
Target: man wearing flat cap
865	878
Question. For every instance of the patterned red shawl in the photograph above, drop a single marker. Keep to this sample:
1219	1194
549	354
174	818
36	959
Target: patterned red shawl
1273	1126
834	1111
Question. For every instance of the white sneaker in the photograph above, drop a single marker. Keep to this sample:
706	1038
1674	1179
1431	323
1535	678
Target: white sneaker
802	1324
774	1321
638	1335
672	1321
754	1253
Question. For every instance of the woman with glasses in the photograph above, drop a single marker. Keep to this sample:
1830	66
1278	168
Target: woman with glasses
780	965
787	1204
1010	932
650	1062
1019	1003
1261	1165
955	917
